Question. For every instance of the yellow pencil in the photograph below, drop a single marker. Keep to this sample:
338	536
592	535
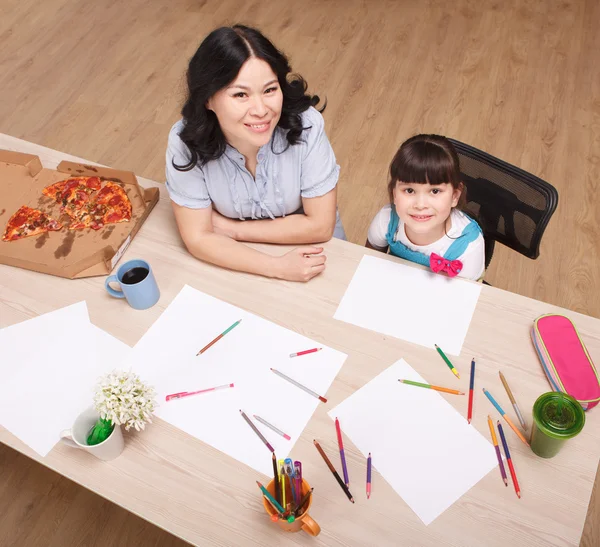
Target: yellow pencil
281	464
497	448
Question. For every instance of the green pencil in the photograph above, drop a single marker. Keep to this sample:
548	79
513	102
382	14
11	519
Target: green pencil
443	356
273	501
218	337
435	388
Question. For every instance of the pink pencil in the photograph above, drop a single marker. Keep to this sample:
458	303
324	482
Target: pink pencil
305	352
272	427
182	394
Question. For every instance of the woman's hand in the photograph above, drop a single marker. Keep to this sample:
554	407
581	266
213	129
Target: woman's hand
223	225
300	264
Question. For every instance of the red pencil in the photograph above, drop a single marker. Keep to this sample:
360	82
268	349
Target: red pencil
305	352
472	382
513	474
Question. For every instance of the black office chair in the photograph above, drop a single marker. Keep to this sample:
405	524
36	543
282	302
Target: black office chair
513	207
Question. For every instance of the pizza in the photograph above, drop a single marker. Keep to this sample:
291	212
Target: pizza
73	193
109	206
28	222
88	202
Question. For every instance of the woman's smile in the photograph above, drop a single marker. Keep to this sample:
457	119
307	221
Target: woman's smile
259	127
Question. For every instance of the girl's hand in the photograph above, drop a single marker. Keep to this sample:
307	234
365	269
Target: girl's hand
223	226
300	264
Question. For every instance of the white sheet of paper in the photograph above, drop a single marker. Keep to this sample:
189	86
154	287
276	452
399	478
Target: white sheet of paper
409	303
419	443
50	365
166	358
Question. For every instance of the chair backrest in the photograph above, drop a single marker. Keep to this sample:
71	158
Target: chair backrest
512	206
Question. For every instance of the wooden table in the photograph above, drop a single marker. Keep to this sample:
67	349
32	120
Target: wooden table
195	492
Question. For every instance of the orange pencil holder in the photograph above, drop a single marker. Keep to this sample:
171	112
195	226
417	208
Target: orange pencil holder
303	521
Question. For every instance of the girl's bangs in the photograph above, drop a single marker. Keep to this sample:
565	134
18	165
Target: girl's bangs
423	162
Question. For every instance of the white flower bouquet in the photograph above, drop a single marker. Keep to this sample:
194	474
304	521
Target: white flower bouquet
121	398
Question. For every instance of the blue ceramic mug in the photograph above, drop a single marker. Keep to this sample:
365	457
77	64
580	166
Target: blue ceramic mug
137	283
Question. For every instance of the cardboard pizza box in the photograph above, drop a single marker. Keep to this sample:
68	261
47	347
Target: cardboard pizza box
65	253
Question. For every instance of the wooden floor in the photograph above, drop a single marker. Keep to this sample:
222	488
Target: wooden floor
519	79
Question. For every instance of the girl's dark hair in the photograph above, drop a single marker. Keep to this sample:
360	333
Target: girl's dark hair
214	66
427	159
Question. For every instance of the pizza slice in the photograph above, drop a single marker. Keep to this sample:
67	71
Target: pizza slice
117	203
73	193
90	215
110	206
28	222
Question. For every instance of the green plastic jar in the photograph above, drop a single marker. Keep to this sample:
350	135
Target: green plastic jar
553	425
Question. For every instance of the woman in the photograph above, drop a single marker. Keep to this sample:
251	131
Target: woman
251	150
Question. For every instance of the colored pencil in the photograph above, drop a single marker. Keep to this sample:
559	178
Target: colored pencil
503	414
276	484
369	476
303	502
434	388
471	384
183	394
342	455
512	400
335	473
267	494
290	472
289	515
298	474
255	429
272	427
281	465
277	515
304	388
218	337
497	448
447	361
305	352
513	474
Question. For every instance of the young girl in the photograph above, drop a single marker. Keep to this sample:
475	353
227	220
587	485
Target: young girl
424	222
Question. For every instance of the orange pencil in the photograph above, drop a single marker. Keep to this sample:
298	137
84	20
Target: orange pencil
497	448
435	388
218	338
503	414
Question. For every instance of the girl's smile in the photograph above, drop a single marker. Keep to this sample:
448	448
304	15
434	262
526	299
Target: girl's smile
421	218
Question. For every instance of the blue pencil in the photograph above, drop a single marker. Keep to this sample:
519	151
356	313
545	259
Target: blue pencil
503	414
513	474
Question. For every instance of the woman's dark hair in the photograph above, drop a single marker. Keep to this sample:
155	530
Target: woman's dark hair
427	159
214	66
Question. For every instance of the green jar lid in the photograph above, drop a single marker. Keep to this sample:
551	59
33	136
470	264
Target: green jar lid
558	415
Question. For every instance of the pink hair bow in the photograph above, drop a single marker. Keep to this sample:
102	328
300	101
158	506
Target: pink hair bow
439	264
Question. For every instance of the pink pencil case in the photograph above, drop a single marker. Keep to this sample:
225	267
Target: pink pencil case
565	359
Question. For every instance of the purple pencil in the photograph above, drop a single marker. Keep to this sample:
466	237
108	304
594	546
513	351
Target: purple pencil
369	476
498	455
342	455
258	433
